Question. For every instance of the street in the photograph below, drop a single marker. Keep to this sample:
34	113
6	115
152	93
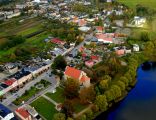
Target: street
21	91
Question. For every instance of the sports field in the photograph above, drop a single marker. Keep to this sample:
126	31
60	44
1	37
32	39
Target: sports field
133	3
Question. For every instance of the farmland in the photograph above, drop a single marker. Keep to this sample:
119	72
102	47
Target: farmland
133	3
22	27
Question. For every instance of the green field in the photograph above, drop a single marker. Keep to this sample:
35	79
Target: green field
20	28
44	107
57	96
133	3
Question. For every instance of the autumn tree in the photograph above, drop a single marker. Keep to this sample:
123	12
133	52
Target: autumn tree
71	88
104	83
109	95
116	91
87	94
68	108
101	102
89	114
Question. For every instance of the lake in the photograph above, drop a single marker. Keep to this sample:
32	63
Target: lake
140	104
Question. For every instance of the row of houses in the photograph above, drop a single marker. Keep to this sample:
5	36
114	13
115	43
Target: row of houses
21	77
24	112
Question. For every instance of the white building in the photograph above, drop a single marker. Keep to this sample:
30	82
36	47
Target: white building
135	48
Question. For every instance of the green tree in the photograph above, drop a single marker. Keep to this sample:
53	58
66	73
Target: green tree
59	116
125	80
116	91
109	95
71	88
101	102
144	37
121	84
83	117
69	118
104	83
89	114
59	63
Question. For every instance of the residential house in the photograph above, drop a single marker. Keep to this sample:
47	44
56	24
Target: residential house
120	52
34	114
22	114
82	22
99	29
5	113
136	47
104	38
76	74
89	63
57	41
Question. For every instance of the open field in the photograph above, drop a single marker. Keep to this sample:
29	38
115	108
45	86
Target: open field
57	96
20	28
133	3
44	107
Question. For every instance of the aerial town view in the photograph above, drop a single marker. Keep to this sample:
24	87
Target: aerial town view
77	59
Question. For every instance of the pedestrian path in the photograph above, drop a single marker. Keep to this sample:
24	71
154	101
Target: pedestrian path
52	101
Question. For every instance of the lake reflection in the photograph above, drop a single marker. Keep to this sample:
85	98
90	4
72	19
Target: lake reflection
140	104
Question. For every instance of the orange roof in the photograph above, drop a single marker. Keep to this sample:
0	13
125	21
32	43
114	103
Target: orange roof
120	52
99	28
22	112
9	82
82	22
104	37
72	72
84	78
93	57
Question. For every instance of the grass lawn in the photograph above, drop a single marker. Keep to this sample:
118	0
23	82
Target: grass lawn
15	27
78	106
133	3
29	30
44	107
57	96
26	96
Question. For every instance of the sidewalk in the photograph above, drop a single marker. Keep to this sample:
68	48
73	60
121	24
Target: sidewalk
52	101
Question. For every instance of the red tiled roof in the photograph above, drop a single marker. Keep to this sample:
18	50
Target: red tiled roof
120	52
89	62
9	82
84	55
82	22
72	72
84	78
105	37
22	112
93	57
57	41
81	49
99	28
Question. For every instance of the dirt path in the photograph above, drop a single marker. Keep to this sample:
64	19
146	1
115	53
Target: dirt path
83	111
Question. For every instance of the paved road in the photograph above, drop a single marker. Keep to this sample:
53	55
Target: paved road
82	43
21	91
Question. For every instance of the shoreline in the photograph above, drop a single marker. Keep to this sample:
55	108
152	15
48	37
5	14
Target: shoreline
115	104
